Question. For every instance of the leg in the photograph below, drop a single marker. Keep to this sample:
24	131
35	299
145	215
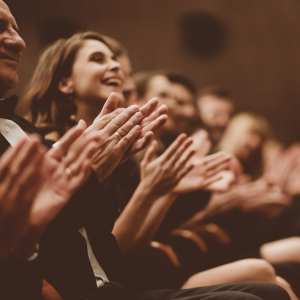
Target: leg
232	291
285	250
242	270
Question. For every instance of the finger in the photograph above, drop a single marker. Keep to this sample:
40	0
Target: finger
184	171
180	151
24	173
67	140
134	120
110	105
155	125
220	167
141	144
128	139
208	181
82	176
29	150
121	119
174	146
162	110
149	107
213	160
87	153
9	156
77	148
31	178
184	158
100	123
150	153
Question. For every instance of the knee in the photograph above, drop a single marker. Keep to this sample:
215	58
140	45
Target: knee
262	269
274	292
283	283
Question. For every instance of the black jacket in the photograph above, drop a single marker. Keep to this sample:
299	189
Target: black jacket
63	259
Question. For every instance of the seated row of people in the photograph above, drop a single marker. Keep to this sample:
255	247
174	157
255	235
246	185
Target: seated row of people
88	243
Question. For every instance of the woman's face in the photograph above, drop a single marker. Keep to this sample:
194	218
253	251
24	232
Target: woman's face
95	73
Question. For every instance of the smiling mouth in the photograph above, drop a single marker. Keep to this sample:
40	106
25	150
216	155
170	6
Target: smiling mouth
9	59
112	82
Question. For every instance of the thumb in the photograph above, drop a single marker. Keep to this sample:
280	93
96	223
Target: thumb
110	105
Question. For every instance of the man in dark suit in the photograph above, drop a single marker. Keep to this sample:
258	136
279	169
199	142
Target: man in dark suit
65	260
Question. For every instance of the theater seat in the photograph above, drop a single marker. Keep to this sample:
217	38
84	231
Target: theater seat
163	255
49	292
212	232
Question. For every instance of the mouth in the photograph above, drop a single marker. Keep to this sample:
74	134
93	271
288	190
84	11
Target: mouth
113	81
9	59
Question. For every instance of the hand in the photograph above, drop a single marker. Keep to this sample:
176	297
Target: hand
20	180
205	172
201	143
227	178
262	198
153	119
160	175
291	184
111	151
58	185
282	165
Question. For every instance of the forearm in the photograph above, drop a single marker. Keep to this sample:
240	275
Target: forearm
131	219
152	223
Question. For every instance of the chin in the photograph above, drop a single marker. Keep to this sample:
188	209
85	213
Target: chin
8	81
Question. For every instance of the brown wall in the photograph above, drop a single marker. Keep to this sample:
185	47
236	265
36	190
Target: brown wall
261	60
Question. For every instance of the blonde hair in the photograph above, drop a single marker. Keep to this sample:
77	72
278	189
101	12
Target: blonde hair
244	122
240	123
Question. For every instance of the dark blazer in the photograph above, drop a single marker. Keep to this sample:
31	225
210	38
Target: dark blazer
63	259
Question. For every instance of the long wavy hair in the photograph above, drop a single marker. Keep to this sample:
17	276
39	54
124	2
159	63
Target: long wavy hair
50	109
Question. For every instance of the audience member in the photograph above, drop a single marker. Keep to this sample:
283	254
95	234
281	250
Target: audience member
215	109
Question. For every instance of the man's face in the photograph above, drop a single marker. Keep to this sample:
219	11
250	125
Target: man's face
178	99
11	48
215	114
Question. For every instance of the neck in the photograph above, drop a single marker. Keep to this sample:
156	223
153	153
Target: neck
88	111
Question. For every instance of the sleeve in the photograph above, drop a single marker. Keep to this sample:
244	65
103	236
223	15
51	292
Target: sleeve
18	280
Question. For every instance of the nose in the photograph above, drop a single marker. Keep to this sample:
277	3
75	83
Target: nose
115	65
189	112
14	42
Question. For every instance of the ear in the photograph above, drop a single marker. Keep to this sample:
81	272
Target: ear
66	86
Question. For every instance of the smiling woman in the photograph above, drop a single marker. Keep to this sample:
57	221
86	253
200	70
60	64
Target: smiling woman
72	81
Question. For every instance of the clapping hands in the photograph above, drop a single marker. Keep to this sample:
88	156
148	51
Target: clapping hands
35	186
123	132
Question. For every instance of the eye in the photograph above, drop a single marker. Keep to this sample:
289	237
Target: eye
3	25
163	95
98	57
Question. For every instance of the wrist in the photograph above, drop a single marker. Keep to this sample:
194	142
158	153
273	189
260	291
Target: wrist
29	244
144	191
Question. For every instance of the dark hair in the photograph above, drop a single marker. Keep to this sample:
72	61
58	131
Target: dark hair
115	46
142	80
51	109
219	91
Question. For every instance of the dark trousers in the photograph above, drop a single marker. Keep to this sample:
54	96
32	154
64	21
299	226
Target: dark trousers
230	291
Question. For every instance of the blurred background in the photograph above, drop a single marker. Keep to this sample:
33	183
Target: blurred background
252	46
